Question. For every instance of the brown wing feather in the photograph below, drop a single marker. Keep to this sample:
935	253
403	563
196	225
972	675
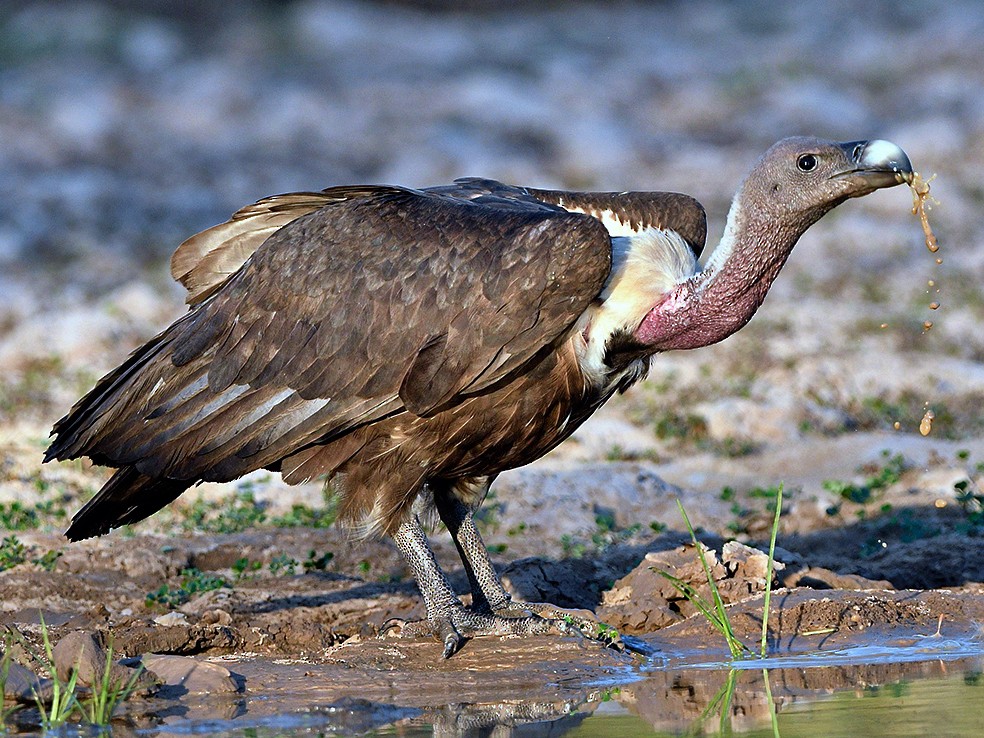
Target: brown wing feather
637	210
322	329
205	261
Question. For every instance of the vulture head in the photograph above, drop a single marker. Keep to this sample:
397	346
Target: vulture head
794	184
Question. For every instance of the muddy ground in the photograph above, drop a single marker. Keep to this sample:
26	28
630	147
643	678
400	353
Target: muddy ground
126	128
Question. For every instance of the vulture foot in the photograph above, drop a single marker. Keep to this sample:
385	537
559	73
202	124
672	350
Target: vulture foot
458	624
583	621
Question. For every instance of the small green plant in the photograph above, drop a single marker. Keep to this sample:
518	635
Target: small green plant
609	694
886	475
715	612
47	560
766	601
971	501
283	565
516	529
12	553
64	697
15	515
318	563
244	568
193	581
572	549
304	516
107	693
233	514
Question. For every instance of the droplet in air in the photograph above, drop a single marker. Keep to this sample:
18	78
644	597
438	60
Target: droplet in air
934	305
926	424
927	325
896	425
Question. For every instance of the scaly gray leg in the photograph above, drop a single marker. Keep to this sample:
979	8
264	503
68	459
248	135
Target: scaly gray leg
488	594
447	618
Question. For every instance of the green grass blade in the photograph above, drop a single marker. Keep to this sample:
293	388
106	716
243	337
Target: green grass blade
736	647
767	601
773	713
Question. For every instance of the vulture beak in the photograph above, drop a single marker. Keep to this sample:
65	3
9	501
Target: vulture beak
876	164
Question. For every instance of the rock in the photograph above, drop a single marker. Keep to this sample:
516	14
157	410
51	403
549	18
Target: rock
645	600
817	577
182	675
21	683
79	651
745	561
171	619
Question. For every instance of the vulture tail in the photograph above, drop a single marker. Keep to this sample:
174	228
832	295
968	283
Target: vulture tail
127	497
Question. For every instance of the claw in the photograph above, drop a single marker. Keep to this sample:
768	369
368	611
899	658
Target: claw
452	642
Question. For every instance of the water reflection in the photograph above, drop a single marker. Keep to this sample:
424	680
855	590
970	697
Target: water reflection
881	699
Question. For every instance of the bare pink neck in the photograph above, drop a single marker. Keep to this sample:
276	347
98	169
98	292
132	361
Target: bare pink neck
722	298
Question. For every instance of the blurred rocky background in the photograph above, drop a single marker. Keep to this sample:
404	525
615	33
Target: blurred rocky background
125	127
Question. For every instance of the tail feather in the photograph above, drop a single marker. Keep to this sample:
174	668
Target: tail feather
127	497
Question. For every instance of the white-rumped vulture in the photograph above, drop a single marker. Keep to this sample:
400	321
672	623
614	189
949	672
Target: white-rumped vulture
402	341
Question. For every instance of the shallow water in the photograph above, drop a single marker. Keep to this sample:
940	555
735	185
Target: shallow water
915	686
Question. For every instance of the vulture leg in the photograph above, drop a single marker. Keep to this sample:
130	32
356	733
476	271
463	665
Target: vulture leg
447	617
488	594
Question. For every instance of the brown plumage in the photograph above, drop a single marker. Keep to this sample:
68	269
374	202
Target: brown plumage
396	339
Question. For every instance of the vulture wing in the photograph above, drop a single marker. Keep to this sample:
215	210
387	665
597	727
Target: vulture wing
382	301
206	260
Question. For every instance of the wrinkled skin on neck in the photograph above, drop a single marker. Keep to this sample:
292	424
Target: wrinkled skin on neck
775	204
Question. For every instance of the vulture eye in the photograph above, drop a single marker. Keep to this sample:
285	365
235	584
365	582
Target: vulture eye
807	163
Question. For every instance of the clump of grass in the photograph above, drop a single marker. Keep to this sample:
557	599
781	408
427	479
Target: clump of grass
715	611
64	696
193	581
67	698
14	553
5	659
107	693
884	476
